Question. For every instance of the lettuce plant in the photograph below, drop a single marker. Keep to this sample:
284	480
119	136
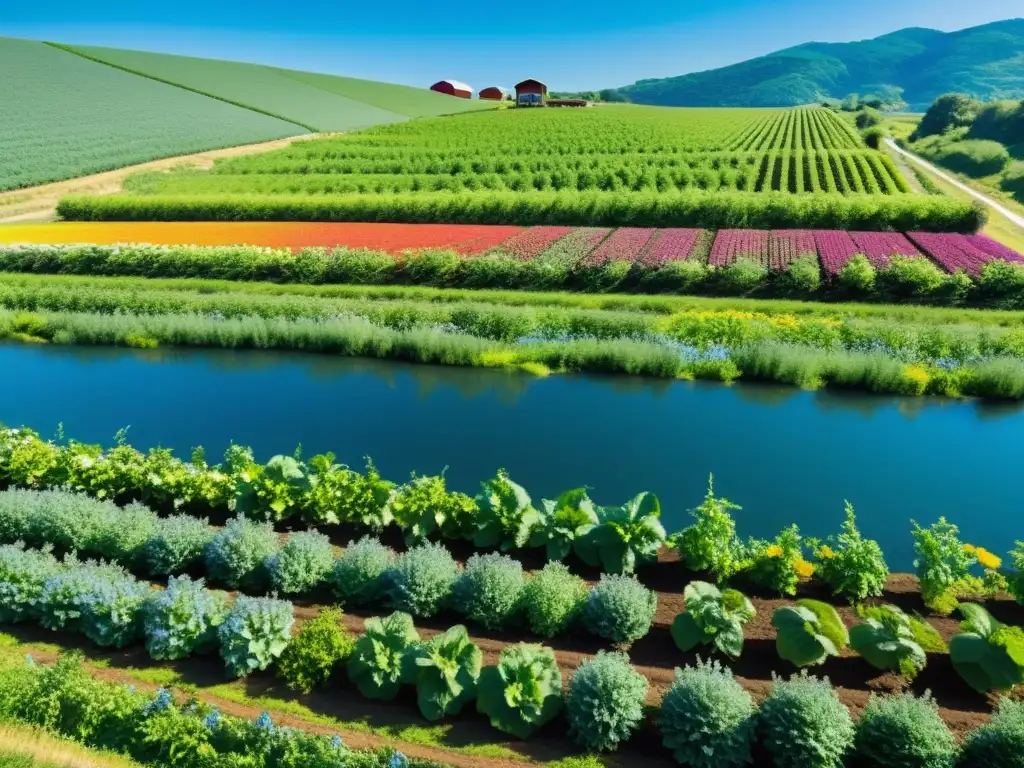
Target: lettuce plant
424	507
809	632
445	669
711	543
420	581
505	516
177	544
23	573
604	703
378	664
301	564
320	647
255	633
490	590
183	619
562	522
903	731
338	494
803	723
850	564
358	574
237	554
988	655
272	491
523	692
707	719
625	536
712	616
886	641
620	609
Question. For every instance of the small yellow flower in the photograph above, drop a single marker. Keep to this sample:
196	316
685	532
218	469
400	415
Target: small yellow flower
774	551
970	549
805	569
987	559
918	378
825	552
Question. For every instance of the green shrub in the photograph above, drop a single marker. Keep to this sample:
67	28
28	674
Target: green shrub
625	536
420	581
713	617
941	563
342	495
809	632
433	267
909	277
740	278
1013	180
1002	283
858	276
321	646
523	692
112	611
604	703
851	565
23	574
683	276
361	267
183	619
874	137
358	574
177	544
255	633
802	277
975	158
868	118
423	507
301	564
236	555
272	491
553	599
999	743
803	724
711	544
445	669
562	522
620	609
378	664
950	110
988	655
490	590
68	596
903	732
886	641
707	719
505	516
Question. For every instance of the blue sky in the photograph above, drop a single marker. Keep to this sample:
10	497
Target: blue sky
571	45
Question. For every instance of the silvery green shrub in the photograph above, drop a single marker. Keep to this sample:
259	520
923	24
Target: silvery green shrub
553	599
620	609
605	701
445	670
62	600
177	544
420	581
803	724
903	731
707	719
523	692
113	610
301	564
358	574
123	538
236	555
490	590
999	742
379	665
255	633
183	619
22	576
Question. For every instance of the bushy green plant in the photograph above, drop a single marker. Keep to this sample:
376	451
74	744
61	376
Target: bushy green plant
445	670
707	719
301	564
1002	283
341	495
490	590
506	515
604	703
886	641
553	599
183	619
620	609
66	595
625	536
1000	742
741	277
858	276
319	648
424	507
975	157
112	611
358	574
272	491
254	634
942	563
712	616
23	573
903	731
711	543
177	544
562	522
378	663
909	277
420	581
523	692
808	632
850	564
803	723
236	556
987	654
778	565
802	277
1013	180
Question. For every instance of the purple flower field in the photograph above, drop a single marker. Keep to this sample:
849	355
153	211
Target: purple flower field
879	247
625	244
953	252
835	248
670	245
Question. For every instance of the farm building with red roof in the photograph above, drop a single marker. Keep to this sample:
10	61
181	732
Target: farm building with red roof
531	93
453	88
496	93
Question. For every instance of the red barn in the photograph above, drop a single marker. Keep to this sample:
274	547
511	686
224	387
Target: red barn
531	93
453	88
496	93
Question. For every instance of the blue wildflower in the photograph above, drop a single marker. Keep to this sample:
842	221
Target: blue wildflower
947	363
163	701
336	742
212	720
264	722
29	662
398	760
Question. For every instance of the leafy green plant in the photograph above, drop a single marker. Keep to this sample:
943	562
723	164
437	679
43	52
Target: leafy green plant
712	617
778	565
66	595
23	574
423	507
177	544
112	611
255	633
707	719
421	580
604	703
903	731
301	564
272	491
490	590
358	574
562	522
553	599
943	564
620	609
808	632
711	544
625	536
803	723
378	661
506	515
857	276
236	556
851	565
183	619
338	494
999	742
320	647
523	692
987	654
886	641
445	670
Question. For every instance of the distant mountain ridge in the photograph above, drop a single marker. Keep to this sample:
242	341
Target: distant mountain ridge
986	62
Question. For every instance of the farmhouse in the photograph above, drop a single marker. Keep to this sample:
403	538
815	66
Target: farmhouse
531	93
453	88
496	93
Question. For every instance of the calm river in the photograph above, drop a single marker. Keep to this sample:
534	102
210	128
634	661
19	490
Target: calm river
783	454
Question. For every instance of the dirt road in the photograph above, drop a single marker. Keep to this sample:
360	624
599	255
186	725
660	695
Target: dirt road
39	203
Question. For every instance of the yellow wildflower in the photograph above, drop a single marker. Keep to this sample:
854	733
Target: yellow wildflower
774	551
917	377
987	559
825	552
804	568
970	549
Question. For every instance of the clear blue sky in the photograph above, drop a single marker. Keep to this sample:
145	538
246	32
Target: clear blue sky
571	45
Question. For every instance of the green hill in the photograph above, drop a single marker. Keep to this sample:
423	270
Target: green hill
986	62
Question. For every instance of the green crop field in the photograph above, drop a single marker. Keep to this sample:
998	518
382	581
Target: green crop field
65	116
